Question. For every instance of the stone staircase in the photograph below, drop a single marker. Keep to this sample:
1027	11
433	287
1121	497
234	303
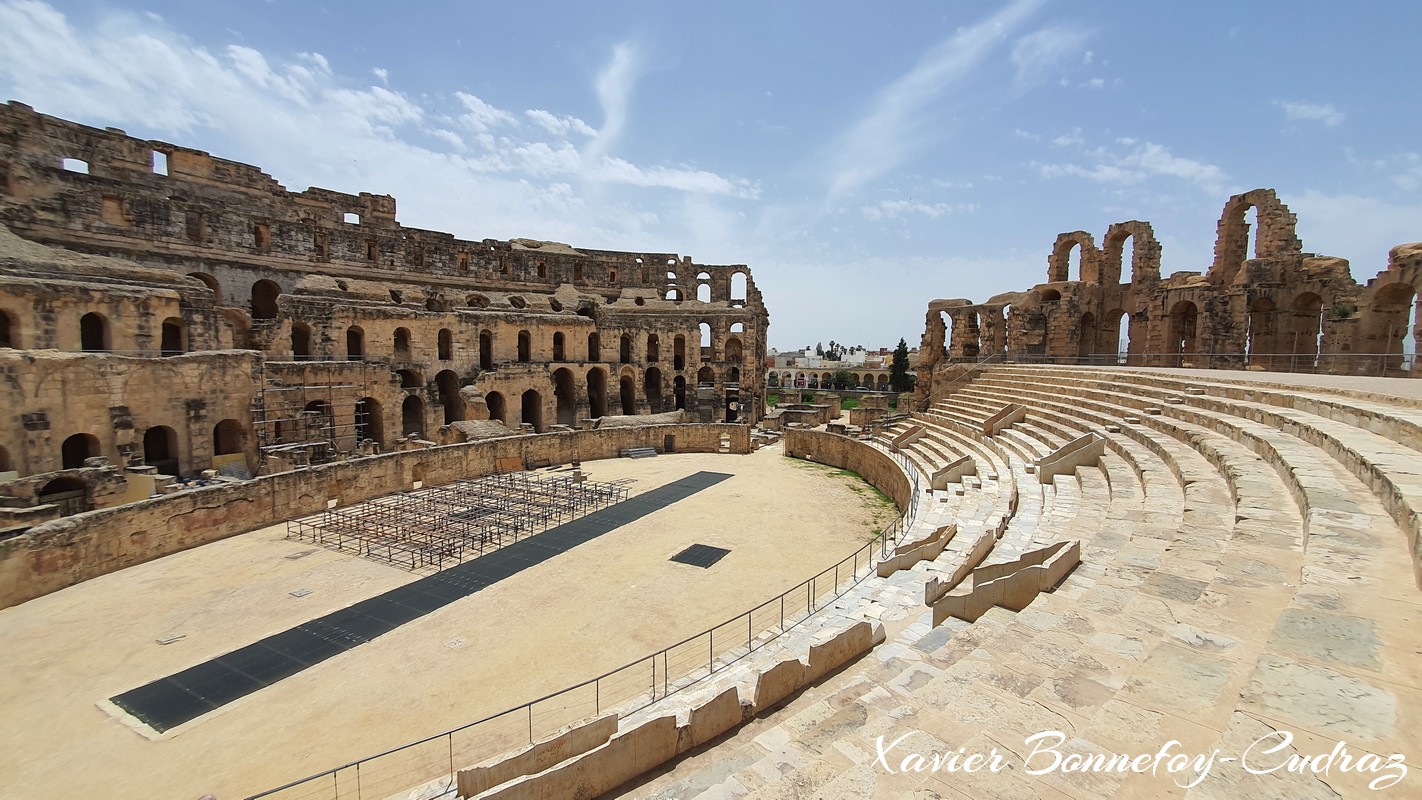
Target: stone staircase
1248	554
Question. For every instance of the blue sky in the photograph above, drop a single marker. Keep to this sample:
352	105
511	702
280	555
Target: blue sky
861	158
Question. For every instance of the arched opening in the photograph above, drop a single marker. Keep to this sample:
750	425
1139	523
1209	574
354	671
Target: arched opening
1184	329
6	463
531	412
446	344
679	353
447	382
707	354
1073	259
171	341
625	349
733	350
211	283
703	291
486	350
160	449
401	344
597	393
679	392
77	448
1086	337
654	347
566	397
734	377
498	408
1394	319
627	395
1120	329
1259	333
1307	330
1050	295
558	348
594	347
355	343
228	438
264	299
652	388
525	346
673	294
739	288
69	495
9	336
947	320
369	421
93	332
707	376
300	342
410	379
412	415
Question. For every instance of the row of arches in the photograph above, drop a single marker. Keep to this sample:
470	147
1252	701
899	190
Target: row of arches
790	379
96	334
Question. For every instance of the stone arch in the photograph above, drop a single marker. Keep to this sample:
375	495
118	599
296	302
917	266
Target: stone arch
69	494
679	392
1275	237
410	378
734	350
525	346
1116	335
445	345
652	388
597	392
76	448
531	410
740	288
706	376
594	347
679	352
1059	262
211	283
401	344
654	348
1184	327
486	350
9	330
264	299
1306	326
1088	334
173	337
627	394
228	438
1392	320
160	449
624	350
1145	253
369	421
565	396
447	382
412	415
7	463
355	343
94	333
498	406
300	341
703	287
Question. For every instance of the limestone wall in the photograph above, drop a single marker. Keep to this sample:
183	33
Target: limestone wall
872	464
66	551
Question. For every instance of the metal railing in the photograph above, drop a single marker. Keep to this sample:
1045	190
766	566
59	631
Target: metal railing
627	689
1368	364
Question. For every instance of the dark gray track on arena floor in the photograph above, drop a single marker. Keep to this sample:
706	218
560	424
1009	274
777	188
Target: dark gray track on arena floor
183	696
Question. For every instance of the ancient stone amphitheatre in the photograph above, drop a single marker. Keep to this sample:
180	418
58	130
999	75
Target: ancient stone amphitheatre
302	503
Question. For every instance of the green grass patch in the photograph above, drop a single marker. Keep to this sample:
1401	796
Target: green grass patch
772	400
881	505
848	403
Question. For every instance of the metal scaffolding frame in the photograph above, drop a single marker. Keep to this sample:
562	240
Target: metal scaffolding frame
284	427
443	525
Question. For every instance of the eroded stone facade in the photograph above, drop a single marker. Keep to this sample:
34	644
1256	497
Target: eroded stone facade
165	307
1277	308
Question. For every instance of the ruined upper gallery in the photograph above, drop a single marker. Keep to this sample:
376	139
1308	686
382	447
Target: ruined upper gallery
1264	305
168	309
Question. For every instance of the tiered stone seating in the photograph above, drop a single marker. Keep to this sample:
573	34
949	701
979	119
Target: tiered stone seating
1246	570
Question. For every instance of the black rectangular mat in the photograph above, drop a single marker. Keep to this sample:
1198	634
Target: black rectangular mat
183	696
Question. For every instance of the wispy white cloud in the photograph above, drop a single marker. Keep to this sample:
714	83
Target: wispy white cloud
1037	53
518	173
614	87
1311	112
383	74
893	209
1142	161
890	131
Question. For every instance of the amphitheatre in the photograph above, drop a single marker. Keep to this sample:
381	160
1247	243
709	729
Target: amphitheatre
298	502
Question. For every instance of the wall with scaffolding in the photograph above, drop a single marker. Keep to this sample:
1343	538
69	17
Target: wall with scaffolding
310	413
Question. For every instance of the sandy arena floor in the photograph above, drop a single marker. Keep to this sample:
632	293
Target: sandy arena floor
604	604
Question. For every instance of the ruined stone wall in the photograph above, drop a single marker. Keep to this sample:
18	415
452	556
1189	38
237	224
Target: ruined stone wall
66	551
146	249
1272	307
